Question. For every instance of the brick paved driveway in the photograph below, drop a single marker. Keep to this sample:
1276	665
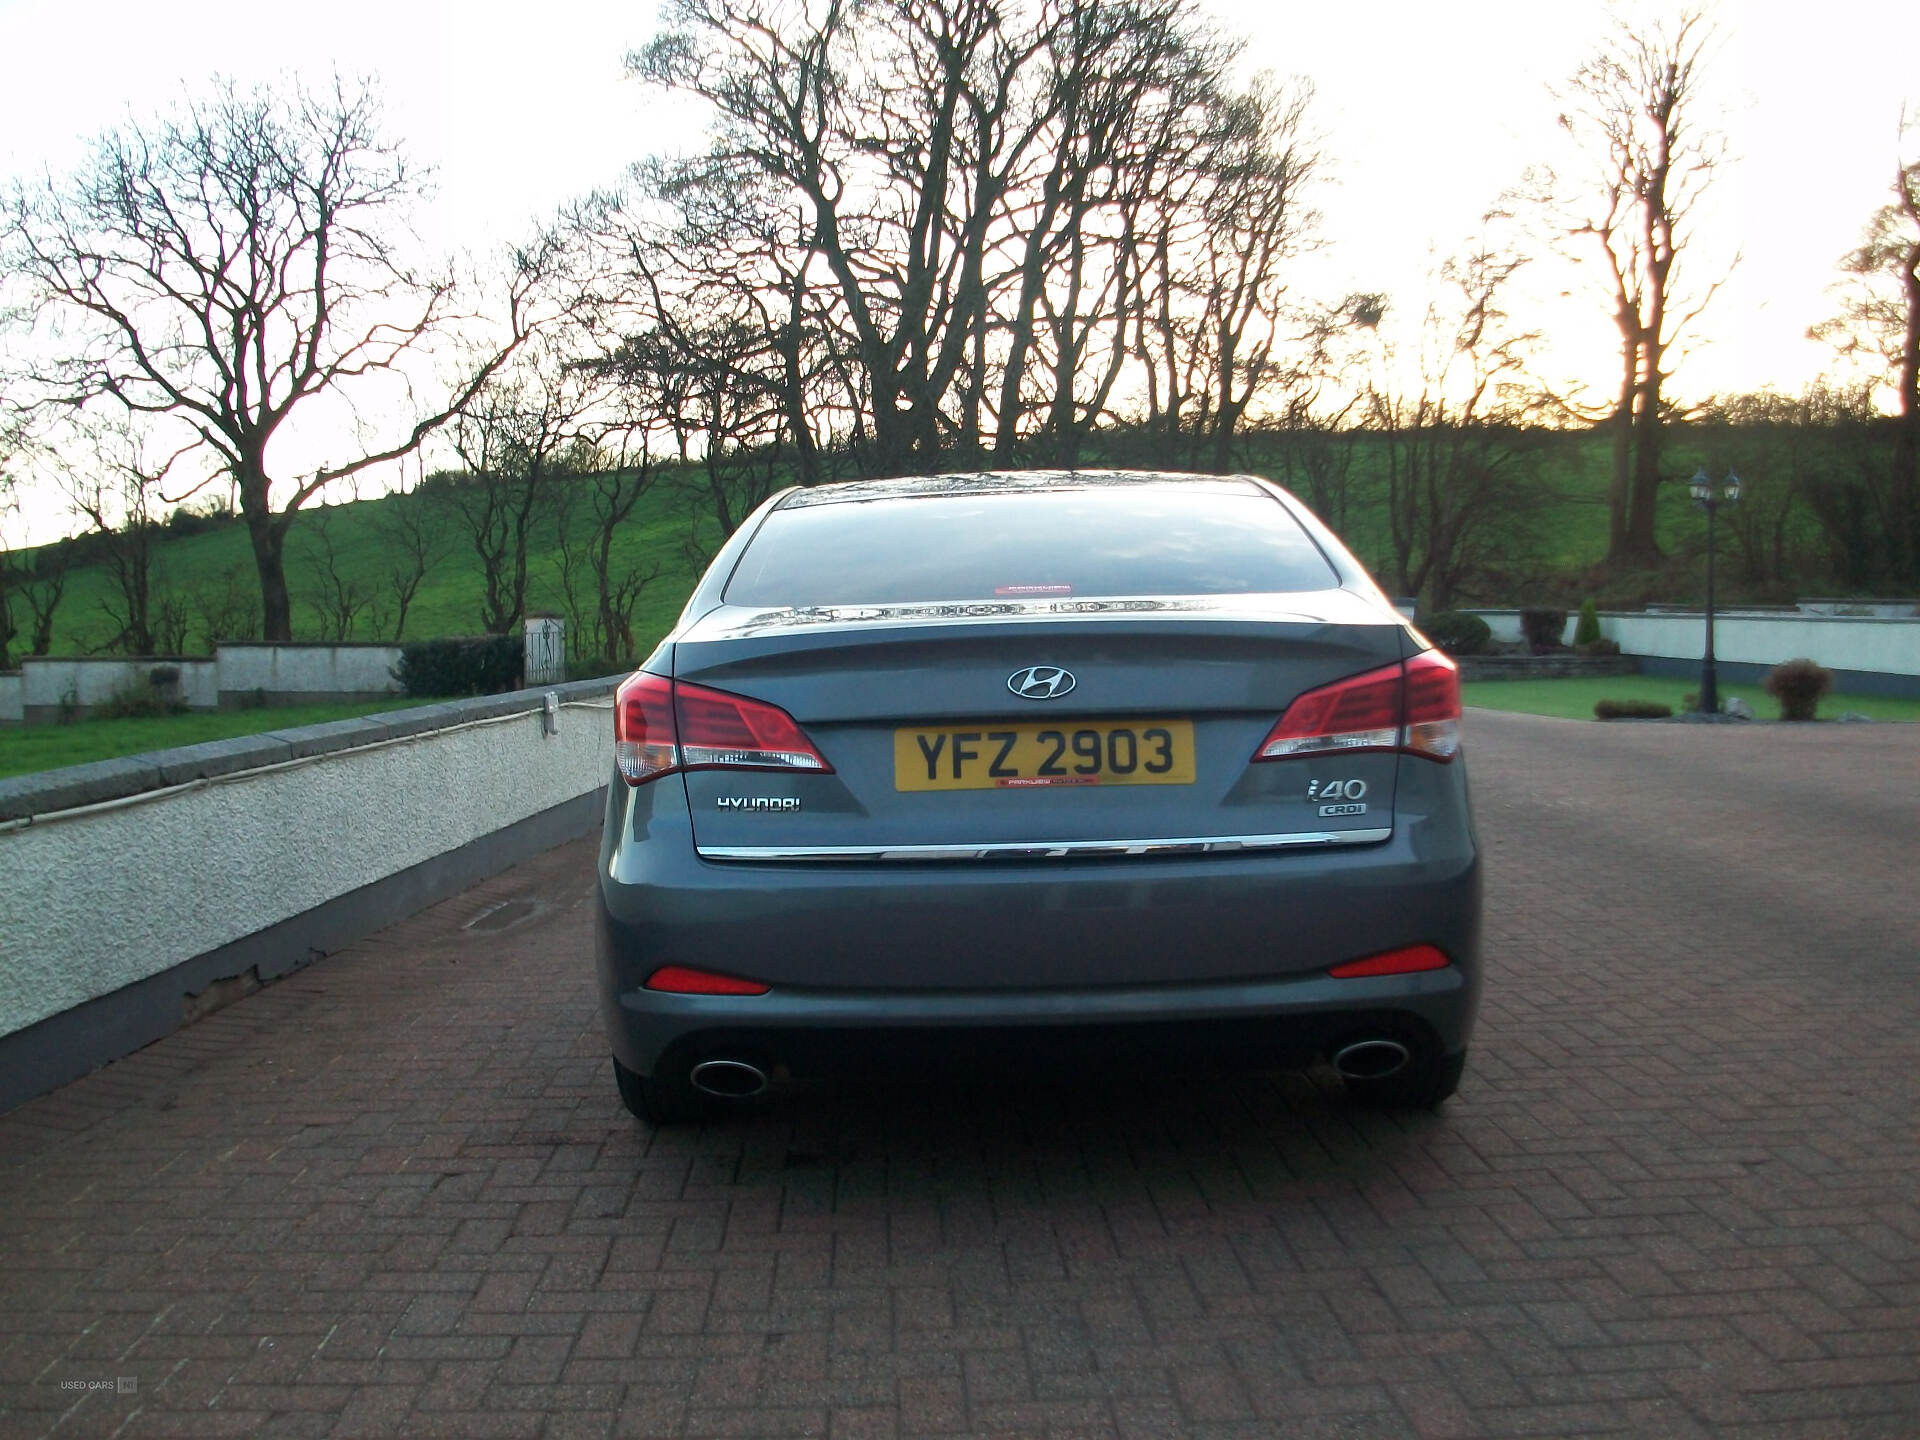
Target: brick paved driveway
1677	1194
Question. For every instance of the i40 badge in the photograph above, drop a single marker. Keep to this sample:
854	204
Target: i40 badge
1339	797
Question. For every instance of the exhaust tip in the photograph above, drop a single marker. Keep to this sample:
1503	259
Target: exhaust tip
1371	1059
728	1079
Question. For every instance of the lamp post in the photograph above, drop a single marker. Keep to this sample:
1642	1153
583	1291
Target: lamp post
1707	500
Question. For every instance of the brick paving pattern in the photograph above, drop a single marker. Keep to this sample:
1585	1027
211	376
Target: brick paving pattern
1678	1194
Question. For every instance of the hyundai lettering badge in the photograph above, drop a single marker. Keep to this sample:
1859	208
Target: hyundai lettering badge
1040	682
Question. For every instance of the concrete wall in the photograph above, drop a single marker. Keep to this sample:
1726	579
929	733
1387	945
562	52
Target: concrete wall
305	673
1505	625
116	873
1880	609
13	697
1870	654
237	675
50	683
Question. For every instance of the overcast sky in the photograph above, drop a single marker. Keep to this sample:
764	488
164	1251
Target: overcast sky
1428	112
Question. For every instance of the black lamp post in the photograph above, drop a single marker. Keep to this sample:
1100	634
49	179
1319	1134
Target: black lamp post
1704	497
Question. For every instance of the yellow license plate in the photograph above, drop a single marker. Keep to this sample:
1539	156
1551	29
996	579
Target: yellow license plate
990	756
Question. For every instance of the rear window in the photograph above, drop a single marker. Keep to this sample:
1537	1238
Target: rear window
1140	540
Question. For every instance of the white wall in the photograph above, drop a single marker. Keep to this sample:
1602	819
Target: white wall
1839	642
95	899
1885	609
49	681
309	669
1882	645
13	692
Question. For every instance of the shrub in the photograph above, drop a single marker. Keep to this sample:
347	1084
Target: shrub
1586	630
1631	710
1542	628
1602	646
1457	632
475	665
592	666
134	701
1798	686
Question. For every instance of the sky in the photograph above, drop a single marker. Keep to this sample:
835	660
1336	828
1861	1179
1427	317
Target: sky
1428	112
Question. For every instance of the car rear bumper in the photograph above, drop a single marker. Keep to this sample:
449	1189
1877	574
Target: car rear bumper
821	1033
1223	953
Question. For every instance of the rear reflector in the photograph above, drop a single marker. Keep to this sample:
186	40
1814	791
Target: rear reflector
660	725
680	980
1395	962
1413	706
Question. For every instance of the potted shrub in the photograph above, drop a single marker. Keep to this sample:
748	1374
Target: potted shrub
1798	686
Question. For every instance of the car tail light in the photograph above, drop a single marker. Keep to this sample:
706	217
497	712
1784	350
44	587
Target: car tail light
660	725
644	744
1361	712
1404	961
1433	707
684	980
1413	706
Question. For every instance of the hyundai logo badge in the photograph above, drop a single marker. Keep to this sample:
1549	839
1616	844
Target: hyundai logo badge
1040	682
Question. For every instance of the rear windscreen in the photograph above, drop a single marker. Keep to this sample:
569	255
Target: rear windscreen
1159	540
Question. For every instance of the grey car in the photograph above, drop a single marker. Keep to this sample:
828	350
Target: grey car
1002	768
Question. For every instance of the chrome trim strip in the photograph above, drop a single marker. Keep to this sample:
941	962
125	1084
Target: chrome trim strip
1049	849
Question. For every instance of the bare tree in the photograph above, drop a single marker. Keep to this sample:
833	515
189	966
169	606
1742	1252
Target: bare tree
1316	431
937	228
115	483
229	264
1631	110
414	527
520	433
1879	320
1462	474
1783	447
10	572
602	587
623	474
1253	223
338	597
224	610
884	127
32	580
38	582
730	432
1128	87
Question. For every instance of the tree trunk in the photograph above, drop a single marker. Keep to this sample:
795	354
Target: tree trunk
1620	481
1639	544
268	533
1906	446
276	606
7	628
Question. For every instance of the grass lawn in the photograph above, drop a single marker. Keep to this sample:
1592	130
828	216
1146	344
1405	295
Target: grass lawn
1574	699
26	748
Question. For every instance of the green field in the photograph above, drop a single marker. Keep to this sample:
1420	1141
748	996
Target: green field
1574	699
26	748
449	600
1563	538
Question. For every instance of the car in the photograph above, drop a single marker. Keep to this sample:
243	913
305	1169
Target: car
1090	768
